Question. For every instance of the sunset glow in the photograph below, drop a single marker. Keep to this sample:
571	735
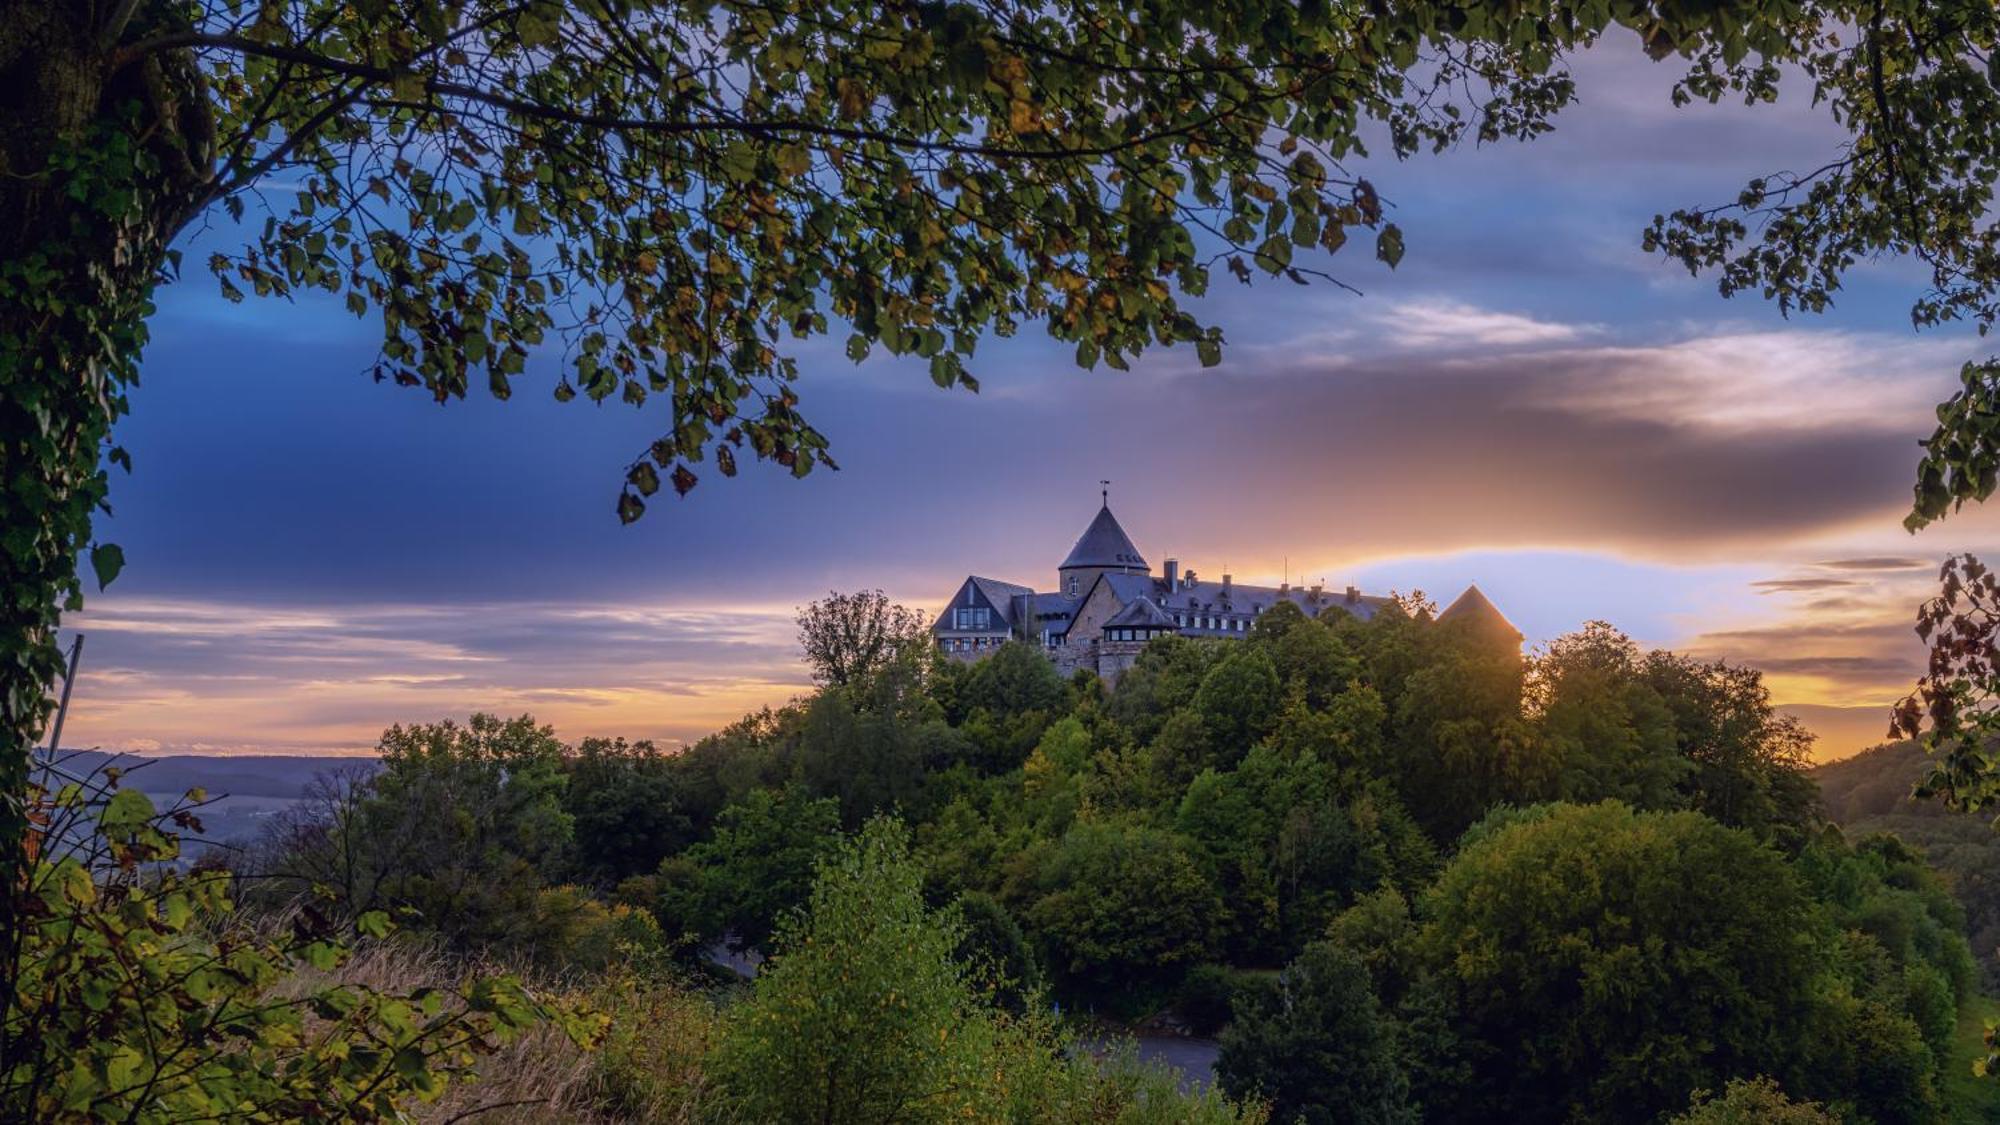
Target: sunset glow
1530	402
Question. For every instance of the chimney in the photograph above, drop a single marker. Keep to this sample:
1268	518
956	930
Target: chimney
1225	583
1353	595
1191	579
1316	591
1173	575
1285	589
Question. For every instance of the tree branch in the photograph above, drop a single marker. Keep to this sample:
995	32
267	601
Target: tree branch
545	112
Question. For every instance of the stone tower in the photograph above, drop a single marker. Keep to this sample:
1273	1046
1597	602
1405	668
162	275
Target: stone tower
1104	548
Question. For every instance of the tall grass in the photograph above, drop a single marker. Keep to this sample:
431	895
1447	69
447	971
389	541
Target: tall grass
647	1068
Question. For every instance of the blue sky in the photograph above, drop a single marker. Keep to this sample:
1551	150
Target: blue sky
1529	402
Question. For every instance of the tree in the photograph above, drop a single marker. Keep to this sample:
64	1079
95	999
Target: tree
1119	903
869	761
756	869
1238	703
1599	970
1009	698
1283	848
1753	1101
459	828
1749	762
1317	1045
629	807
864	1014
143	998
848	638
490	177
1604	732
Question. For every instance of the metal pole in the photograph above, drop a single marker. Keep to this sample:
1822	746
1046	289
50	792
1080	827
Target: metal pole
62	707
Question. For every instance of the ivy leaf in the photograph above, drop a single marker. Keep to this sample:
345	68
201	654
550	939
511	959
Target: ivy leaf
107	559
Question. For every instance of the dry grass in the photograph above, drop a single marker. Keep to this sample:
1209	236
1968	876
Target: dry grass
647	1069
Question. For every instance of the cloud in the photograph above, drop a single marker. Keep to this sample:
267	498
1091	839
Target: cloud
1797	585
1877	562
1752	384
1446	325
330	678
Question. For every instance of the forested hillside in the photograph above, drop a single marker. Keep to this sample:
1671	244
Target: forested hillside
1403	872
1409	874
1870	793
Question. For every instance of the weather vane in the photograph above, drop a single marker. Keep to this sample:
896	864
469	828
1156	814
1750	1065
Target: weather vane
1104	493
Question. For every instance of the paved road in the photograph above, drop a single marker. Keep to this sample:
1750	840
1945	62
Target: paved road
1194	1058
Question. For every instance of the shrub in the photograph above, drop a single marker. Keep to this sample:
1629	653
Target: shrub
1318	1045
134	997
1753	1101
863	1015
1208	997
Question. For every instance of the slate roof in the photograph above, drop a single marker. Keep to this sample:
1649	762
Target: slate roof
1045	611
1140	613
1207	598
1474	606
1001	594
1104	543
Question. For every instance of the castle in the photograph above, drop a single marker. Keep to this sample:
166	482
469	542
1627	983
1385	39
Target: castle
1107	604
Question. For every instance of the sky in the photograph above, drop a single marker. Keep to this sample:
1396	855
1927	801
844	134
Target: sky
1528	402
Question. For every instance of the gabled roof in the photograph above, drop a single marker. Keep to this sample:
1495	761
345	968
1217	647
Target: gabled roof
1140	613
1104	543
1473	606
997	594
1001	594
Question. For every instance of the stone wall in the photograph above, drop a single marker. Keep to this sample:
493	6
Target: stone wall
1114	657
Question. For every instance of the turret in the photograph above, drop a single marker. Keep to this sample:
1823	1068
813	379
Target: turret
1103	548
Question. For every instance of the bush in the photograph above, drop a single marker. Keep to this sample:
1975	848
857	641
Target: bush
1753	1101
651	1065
1207	998
571	931
865	1016
137	997
862	1015
1317	1044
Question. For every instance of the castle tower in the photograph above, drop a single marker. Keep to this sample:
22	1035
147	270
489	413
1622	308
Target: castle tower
1473	612
1104	548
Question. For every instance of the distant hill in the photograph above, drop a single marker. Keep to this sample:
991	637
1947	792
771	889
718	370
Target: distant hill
245	790
1870	793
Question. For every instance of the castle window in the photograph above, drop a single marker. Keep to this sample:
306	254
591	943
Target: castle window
1072	585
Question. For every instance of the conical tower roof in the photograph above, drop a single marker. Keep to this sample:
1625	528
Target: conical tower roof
1473	607
1104	544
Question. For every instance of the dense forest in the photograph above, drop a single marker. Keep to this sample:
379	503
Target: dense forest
1401	871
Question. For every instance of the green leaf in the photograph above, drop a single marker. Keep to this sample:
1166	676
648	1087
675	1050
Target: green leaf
1389	245
106	560
127	809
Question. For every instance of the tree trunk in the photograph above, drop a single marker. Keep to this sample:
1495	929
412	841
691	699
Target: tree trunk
99	167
